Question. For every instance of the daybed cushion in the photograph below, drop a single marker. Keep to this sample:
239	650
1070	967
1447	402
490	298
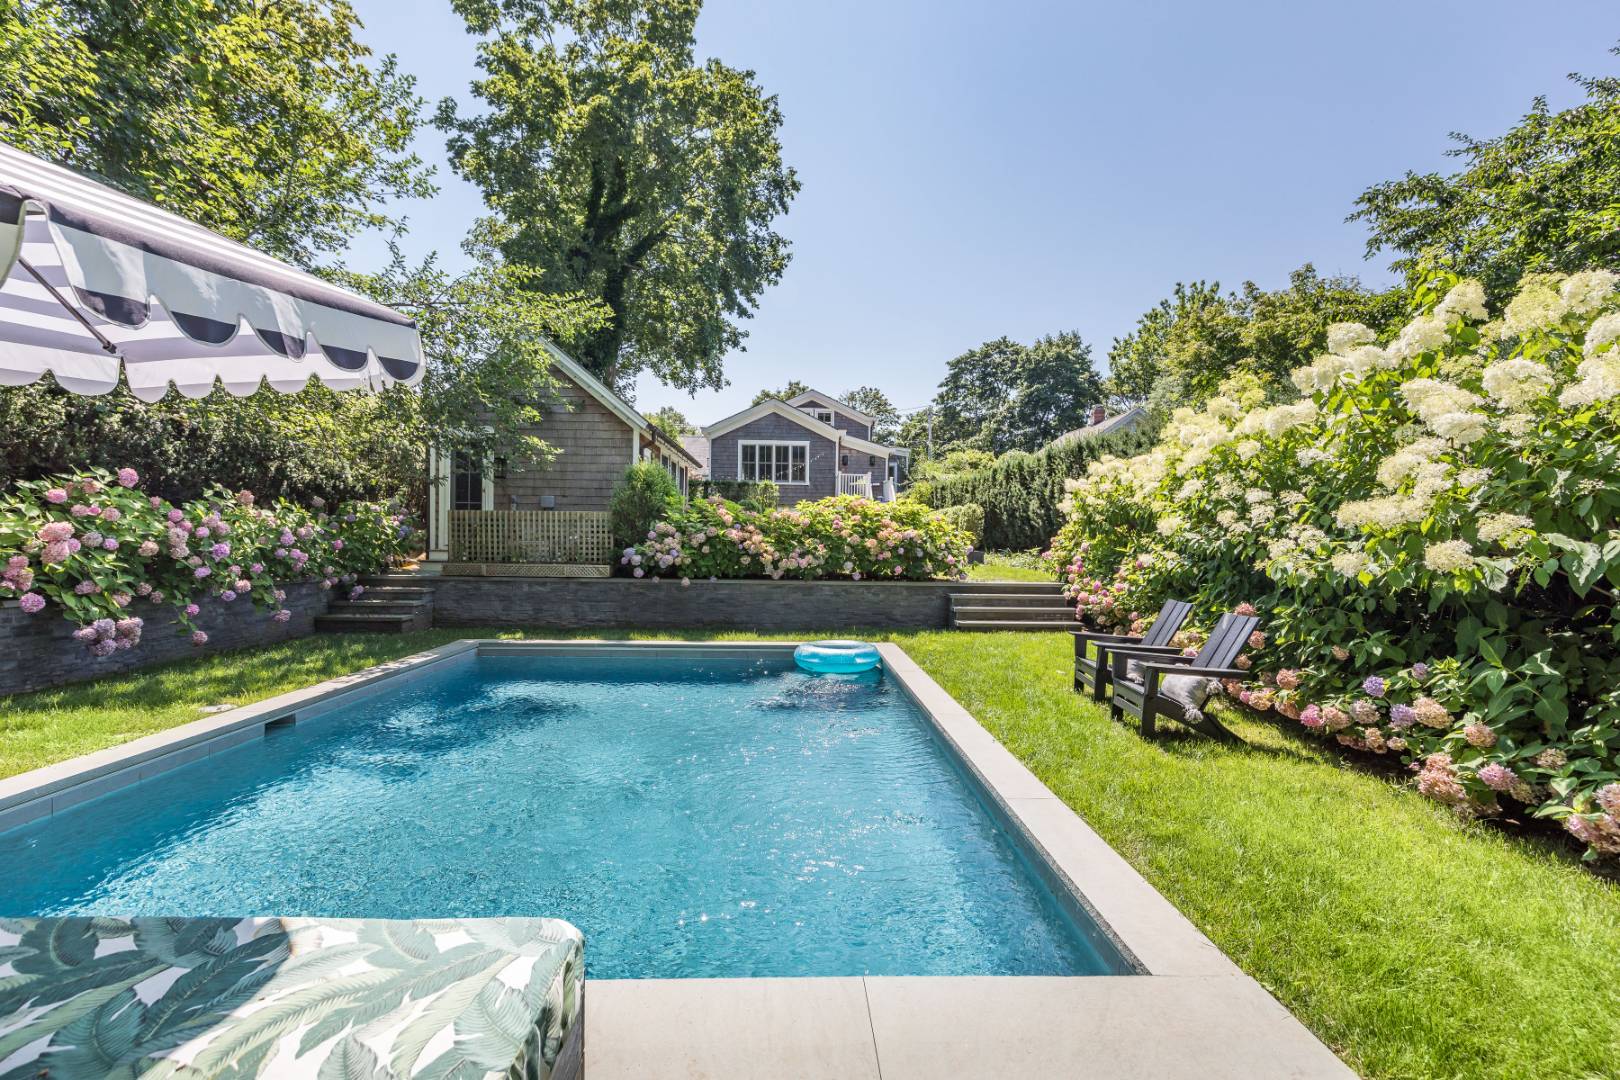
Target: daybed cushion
317	998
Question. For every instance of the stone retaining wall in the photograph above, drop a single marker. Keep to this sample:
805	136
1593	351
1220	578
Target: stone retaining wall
600	603
38	651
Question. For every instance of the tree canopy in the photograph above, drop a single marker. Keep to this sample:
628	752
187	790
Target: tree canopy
1004	395
792	390
628	172
1540	197
671	421
267	122
876	404
1185	346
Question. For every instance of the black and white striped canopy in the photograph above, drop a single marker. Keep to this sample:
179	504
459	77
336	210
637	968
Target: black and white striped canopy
92	280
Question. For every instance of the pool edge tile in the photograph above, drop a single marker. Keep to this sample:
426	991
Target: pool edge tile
1091	1028
729	1029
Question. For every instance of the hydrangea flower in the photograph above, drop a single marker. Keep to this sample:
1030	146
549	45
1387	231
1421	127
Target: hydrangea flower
128	478
31	602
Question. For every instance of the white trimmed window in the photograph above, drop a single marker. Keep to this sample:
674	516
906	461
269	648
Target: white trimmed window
824	415
782	462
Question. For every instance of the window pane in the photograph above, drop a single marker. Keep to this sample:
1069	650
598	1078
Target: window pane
798	464
748	467
781	464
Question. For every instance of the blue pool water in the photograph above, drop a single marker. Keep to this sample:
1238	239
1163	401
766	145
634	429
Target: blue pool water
693	816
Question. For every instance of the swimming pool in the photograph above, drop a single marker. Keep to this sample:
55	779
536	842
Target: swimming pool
703	814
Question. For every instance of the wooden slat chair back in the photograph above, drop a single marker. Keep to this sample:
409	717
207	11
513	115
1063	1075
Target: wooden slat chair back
1143	700
1092	673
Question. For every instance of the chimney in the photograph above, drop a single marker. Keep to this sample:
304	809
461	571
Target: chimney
1098	415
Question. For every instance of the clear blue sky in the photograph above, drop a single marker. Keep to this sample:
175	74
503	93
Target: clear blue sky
974	170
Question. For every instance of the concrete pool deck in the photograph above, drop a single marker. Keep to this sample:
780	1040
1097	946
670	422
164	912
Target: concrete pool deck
1191	1013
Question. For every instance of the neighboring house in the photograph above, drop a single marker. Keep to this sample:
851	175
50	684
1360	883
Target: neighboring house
1103	424
812	446
597	435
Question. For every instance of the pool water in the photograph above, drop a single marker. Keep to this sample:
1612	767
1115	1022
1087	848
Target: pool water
694	816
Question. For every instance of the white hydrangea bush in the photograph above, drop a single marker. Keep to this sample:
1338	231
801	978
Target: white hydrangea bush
1431	534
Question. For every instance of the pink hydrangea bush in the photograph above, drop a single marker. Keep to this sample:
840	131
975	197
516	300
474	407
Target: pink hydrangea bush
1430	531
842	537
101	551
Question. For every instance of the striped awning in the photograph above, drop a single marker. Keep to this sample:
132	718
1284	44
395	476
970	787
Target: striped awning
92	280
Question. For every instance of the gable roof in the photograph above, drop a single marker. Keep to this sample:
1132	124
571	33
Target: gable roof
827	399
766	408
612	402
787	411
1118	422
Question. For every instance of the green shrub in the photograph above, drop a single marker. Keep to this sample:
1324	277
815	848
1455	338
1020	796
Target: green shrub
1429	535
762	496
969	517
759	494
642	498
840	537
1021	493
102	552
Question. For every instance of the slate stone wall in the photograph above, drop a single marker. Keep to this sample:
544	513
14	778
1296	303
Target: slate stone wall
602	603
38	651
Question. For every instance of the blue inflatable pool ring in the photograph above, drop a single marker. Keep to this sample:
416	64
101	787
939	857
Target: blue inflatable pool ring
836	657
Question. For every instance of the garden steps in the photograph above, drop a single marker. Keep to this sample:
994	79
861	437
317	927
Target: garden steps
1005	605
381	609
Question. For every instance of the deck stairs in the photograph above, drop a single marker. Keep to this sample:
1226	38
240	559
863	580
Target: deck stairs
391	604
1010	605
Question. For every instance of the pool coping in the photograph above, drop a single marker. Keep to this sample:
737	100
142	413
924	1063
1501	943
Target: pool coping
1152	935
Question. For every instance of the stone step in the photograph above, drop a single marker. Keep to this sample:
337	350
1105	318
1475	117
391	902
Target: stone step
397	592
1005	599
349	623
1014	614
366	605
1007	624
1006	587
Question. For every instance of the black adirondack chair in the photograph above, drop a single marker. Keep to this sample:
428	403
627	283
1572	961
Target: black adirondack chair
1142	697
1092	674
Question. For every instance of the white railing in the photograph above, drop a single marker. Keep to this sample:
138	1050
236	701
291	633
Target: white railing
855	484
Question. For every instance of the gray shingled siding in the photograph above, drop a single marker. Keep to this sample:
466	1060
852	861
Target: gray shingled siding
822	471
594	452
840	421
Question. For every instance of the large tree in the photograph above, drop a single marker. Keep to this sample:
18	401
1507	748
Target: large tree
1004	395
876	404
629	172
269	122
1185	346
1541	196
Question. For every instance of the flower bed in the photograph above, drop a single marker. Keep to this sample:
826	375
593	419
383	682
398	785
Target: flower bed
96	548
842	537
1430	534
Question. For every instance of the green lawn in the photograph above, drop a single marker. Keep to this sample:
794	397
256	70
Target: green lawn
1414	944
998	566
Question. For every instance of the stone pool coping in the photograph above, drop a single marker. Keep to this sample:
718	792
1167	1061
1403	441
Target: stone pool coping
1191	1013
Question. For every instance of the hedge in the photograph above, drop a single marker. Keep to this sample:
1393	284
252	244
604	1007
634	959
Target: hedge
1021	492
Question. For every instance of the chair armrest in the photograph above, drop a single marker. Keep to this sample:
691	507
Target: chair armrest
1118	658
1239	674
1091	635
1162	654
1208	673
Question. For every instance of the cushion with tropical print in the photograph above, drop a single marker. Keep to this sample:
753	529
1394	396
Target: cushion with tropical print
317	998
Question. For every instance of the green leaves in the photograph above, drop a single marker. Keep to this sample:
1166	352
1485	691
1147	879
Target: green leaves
626	172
